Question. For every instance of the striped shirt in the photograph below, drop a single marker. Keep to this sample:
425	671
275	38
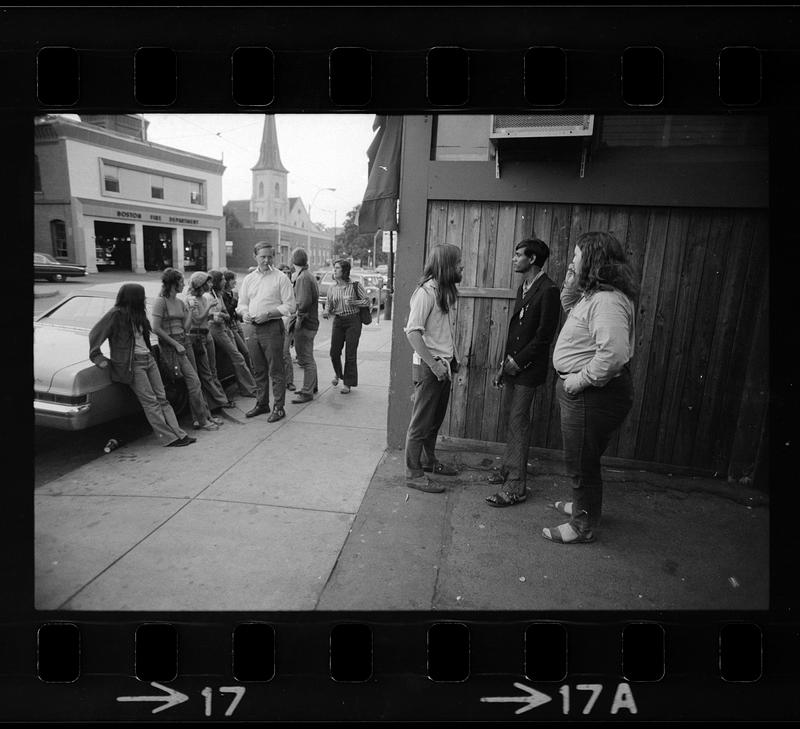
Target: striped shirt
338	296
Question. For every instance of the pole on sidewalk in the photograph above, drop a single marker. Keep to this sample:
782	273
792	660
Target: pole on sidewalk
387	309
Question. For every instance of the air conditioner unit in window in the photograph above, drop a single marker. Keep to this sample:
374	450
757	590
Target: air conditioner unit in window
541	125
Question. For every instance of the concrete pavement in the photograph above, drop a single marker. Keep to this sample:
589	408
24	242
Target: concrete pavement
312	513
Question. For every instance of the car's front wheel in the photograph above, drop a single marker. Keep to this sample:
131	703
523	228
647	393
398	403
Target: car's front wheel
58	277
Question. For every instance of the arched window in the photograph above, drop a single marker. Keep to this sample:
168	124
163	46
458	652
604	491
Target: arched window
37	177
58	237
277	189
260	190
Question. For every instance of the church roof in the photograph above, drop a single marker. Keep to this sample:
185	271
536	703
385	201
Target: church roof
269	156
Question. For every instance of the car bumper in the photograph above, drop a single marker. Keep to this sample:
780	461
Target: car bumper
61	416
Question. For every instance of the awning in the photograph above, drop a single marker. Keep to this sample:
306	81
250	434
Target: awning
379	207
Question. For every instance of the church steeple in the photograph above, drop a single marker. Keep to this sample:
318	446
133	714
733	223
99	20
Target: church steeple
270	156
269	201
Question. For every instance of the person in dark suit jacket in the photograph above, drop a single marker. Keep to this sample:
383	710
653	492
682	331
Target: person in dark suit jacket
531	330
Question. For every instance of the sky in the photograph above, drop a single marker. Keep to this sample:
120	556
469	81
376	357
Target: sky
319	150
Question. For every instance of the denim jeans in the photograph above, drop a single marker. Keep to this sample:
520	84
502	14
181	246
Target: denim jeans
427	415
346	330
238	337
288	366
265	342
149	389
197	404
588	420
304	346
204	355
223	338
518	433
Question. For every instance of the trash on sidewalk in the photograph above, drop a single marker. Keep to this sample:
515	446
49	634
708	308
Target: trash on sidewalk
112	445
522	579
734	582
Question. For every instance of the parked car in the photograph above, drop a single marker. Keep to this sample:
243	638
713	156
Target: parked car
69	391
47	267
373	291
376	281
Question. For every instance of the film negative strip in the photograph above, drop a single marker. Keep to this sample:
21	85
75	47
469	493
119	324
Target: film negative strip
313	584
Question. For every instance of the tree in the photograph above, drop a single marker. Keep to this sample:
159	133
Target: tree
352	244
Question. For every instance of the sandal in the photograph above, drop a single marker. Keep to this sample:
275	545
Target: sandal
566	534
506	498
208	425
565	507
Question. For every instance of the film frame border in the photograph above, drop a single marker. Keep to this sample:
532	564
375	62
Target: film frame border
495	643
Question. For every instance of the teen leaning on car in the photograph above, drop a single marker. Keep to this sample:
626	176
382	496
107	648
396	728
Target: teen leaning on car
171	323
429	330
127	330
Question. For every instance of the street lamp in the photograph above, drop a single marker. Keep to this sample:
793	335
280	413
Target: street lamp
311	222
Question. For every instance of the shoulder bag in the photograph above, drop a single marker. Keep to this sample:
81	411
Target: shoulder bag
365	312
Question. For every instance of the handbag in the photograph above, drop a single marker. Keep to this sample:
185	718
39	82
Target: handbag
168	364
364	312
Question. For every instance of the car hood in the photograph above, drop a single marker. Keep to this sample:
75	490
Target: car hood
61	361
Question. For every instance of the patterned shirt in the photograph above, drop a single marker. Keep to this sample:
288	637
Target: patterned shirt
338	296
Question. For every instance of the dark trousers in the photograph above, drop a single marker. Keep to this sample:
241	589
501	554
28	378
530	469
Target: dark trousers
427	415
588	420
346	330
304	346
265	344
518	432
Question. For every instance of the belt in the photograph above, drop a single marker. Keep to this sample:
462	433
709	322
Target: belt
198	331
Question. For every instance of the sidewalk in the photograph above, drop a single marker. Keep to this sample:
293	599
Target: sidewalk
312	513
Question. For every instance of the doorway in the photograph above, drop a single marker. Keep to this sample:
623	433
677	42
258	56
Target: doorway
157	248
112	246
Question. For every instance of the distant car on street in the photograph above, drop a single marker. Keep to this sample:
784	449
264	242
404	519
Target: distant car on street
69	391
47	267
371	288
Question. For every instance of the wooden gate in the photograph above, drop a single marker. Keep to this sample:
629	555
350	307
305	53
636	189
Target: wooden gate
700	368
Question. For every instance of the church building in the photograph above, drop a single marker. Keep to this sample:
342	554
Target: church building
271	215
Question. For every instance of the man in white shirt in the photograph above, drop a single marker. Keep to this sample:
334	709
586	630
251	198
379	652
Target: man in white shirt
265	297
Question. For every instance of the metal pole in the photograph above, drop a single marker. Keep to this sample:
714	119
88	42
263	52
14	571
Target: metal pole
387	309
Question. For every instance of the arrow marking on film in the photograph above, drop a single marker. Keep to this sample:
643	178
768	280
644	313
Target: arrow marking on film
173	698
535	698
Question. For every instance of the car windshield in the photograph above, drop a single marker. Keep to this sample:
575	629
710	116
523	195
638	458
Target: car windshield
43	258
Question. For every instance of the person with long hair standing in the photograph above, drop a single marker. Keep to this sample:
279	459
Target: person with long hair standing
231	300
171	322
429	330
594	389
344	299
222	334
202	309
127	330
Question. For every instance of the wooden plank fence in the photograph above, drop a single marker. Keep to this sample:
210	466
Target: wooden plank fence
700	369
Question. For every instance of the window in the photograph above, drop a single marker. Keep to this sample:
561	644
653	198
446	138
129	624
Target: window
58	236
277	189
196	193
157	187
37	177
111	179
260	189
